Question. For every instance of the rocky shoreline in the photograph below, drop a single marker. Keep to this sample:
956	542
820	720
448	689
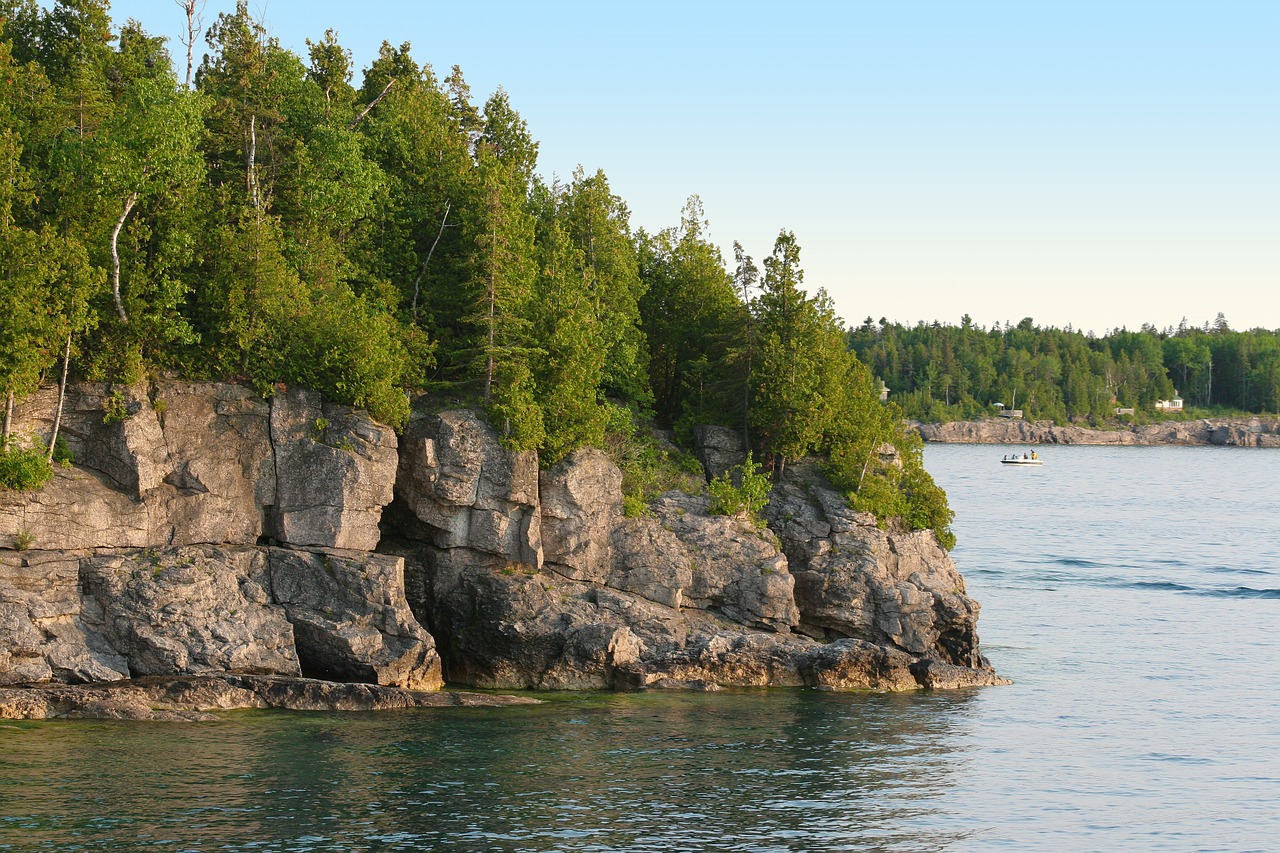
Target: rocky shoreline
206	533
1216	432
194	698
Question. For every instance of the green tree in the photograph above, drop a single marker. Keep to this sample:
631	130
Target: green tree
598	223
502	287
690	315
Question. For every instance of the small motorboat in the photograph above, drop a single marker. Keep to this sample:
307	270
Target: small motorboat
1024	459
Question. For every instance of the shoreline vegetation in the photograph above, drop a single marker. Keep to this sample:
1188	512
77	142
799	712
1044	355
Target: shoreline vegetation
281	221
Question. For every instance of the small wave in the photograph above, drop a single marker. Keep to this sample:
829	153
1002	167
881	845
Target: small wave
1076	563
1178	759
1241	592
1168	586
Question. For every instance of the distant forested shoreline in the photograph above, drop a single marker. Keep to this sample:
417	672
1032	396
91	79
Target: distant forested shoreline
939	373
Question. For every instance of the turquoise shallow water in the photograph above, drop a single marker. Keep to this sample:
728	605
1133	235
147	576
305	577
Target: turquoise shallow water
1132	593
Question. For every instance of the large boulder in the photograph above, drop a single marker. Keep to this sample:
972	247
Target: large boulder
581	503
43	630
351	620
189	610
718	448
462	489
335	471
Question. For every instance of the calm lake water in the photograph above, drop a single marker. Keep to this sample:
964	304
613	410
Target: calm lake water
1132	593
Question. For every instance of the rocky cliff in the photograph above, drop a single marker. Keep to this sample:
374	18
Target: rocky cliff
204	531
1234	432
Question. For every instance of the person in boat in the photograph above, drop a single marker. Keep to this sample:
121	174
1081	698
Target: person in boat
1024	456
1033	454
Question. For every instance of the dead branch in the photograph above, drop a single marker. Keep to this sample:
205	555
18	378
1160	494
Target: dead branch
372	104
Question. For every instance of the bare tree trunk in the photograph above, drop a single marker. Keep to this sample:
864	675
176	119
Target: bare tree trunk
62	396
115	256
250	164
430	252
195	23
8	422
488	370
372	104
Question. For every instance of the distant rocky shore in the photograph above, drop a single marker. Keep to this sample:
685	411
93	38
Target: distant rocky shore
210	549
1220	432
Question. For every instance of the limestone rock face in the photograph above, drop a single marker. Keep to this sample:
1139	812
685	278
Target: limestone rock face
679	598
205	531
735	570
650	561
718	449
465	490
224	470
45	630
335	471
895	589
190	610
581	503
351	619
77	509
190	464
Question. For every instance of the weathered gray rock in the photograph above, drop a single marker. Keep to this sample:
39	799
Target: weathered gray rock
467	491
191	464
650	561
224	469
150	562
43	623
190	610
131	451
77	509
735	569
335	471
840	664
678	598
191	699
509	628
718	448
940	675
896	589
581	504
351	620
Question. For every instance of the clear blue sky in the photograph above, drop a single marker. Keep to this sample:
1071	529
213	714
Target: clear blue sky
1088	163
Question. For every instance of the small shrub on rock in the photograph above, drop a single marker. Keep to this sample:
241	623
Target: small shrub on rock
24	468
741	491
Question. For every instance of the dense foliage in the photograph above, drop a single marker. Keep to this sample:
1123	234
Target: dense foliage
270	220
941	373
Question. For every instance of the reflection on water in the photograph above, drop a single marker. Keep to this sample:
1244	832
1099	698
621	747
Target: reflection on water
785	771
